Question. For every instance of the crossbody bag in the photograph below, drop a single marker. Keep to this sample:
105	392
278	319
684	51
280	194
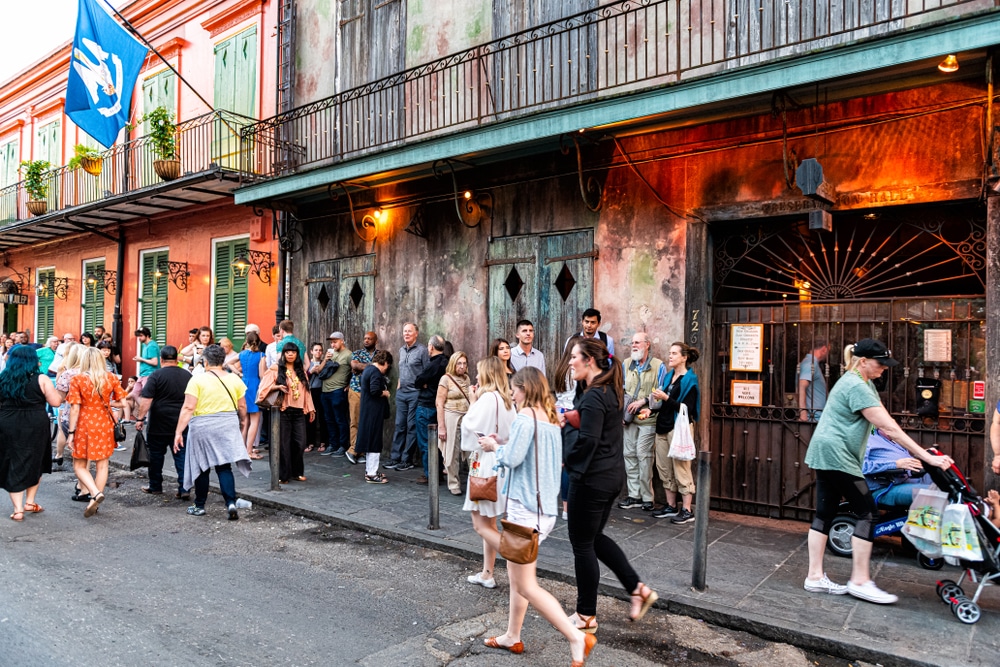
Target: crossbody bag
519	544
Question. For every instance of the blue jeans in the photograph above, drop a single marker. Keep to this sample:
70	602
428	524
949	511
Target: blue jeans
227	484
900	495
425	416
404	439
158	447
338	419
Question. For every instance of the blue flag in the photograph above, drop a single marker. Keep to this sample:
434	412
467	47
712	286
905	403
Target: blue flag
103	69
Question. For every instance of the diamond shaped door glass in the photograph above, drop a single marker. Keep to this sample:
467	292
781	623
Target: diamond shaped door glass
356	294
565	282
323	297
513	284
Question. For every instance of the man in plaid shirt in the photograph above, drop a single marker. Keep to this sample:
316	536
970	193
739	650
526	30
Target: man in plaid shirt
359	362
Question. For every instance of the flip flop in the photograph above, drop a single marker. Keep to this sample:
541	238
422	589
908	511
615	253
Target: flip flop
308	449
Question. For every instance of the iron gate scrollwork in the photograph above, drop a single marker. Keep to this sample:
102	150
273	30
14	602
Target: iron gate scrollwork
886	278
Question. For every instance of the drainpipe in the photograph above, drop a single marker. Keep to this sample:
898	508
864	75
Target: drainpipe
116	324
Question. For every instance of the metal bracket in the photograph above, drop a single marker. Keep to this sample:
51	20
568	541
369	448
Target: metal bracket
109	279
367	230
472	207
177	273
593	196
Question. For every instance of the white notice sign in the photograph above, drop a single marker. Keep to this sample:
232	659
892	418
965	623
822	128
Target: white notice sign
937	345
746	347
747	392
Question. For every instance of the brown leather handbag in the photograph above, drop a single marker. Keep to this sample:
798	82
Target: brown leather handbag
484	488
519	544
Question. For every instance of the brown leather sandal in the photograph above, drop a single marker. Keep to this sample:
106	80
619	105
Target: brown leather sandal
34	508
583	623
15	515
513	648
646	597
589	642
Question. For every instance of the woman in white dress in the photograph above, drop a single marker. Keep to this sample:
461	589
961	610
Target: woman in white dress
492	413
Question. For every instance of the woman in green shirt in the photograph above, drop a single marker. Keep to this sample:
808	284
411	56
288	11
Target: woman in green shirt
836	452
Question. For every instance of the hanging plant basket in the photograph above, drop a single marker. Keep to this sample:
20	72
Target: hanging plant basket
37	206
168	170
92	165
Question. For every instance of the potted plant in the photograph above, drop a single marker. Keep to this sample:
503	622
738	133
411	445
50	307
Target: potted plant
88	158
163	139
35	185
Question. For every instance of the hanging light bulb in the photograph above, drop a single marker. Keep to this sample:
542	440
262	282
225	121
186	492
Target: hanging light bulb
949	64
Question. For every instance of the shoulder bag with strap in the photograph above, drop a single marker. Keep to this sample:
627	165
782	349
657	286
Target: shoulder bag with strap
485	488
236	409
119	428
463	391
273	399
519	544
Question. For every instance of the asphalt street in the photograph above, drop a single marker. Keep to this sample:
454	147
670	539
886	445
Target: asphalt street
144	583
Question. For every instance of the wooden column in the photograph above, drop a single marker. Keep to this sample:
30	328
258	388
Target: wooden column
992	328
698	333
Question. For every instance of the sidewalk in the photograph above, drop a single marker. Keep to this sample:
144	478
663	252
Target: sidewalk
755	567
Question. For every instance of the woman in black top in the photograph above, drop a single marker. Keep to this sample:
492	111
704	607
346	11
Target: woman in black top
596	467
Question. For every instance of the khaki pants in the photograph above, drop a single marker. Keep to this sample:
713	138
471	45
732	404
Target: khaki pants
451	449
638	448
354	408
675	475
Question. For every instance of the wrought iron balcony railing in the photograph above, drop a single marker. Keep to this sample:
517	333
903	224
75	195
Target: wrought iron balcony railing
615	49
203	142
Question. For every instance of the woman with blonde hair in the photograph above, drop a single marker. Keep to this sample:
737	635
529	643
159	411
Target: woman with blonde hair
491	413
91	423
454	398
533	461
232	363
67	368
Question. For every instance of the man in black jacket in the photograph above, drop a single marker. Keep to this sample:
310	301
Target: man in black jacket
426	383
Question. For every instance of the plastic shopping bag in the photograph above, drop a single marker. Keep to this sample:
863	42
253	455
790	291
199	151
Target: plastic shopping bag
924	519
958	533
682	442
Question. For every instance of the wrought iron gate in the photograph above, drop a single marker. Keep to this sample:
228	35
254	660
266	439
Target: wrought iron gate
866	279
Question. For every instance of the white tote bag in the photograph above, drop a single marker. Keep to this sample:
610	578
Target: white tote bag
682	442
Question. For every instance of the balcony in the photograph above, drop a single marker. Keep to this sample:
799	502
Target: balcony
127	186
618	48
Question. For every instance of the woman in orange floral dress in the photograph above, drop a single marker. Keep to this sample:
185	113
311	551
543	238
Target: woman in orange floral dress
91	423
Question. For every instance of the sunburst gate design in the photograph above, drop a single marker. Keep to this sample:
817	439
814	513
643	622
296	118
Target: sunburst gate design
863	257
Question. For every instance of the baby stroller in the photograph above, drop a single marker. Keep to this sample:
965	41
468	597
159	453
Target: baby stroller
983	573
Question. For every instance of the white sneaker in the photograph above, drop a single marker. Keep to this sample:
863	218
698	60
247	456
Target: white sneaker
869	592
478	579
824	585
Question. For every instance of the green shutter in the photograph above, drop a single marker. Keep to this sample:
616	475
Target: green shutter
45	306
245	80
231	296
225	65
153	299
93	296
159	90
8	176
48	149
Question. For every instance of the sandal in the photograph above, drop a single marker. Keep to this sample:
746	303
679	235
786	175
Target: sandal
308	449
583	623
92	505
255	456
300	478
377	478
321	449
645	597
34	508
589	642
17	516
513	648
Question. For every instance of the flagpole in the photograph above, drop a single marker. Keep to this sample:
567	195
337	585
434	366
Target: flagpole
134	31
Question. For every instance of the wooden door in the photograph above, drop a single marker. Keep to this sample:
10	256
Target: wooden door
513	266
566	278
356	298
321	309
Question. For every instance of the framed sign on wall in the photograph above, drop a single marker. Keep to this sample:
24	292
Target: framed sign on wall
746	347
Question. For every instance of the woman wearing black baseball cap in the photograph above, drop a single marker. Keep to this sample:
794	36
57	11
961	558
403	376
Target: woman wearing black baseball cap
836	452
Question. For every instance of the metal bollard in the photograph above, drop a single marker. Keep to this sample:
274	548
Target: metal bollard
434	476
704	488
274	449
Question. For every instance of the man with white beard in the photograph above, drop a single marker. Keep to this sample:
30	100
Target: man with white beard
642	374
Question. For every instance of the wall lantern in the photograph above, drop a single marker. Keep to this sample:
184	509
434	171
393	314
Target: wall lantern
108	278
254	261
58	287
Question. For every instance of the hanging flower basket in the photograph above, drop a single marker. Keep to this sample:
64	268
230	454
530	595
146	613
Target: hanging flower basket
168	170
92	165
37	206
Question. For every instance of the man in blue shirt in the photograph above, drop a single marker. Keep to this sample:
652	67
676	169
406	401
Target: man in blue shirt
812	383
149	352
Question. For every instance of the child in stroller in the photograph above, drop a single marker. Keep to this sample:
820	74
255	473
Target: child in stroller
984	572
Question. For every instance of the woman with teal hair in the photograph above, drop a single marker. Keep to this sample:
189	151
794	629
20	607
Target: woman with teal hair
25	439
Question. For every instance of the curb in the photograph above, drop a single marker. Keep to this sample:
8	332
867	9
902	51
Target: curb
763	627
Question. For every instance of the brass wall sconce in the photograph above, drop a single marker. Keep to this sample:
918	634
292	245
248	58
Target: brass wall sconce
949	64
58	287
176	272
108	278
254	261
472	207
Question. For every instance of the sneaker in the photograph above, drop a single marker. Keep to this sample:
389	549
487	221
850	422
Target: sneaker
194	510
869	592
648	507
233	514
401	467
391	465
362	459
339	452
565	515
420	480
477	578
120	448
328	452
630	503
684	516
824	585
665	512
352	458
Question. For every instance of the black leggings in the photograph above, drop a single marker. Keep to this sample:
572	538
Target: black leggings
831	486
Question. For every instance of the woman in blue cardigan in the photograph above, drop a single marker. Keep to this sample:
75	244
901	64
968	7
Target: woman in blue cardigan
680	386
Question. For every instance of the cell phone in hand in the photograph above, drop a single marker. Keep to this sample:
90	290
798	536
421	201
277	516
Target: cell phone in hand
480	434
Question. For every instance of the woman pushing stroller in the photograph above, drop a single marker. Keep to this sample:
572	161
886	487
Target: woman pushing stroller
836	453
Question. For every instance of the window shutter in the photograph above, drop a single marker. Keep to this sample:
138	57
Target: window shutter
231	297
93	296
154	295
225	64
45	308
245	79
